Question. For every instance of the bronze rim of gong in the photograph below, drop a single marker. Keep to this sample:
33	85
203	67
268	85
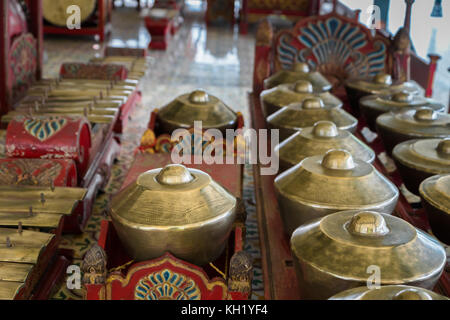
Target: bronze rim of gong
436	190
299	71
172	196
394	292
319	139
197	106
421	122
427	155
397	101
335	179
364	238
297	92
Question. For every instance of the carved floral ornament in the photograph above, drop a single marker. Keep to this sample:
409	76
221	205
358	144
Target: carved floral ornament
333	45
167	285
94	266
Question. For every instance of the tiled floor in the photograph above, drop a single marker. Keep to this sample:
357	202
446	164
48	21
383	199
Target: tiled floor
216	59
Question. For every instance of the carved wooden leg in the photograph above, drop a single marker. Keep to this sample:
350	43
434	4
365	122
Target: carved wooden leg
263	51
432	71
241	276
243	23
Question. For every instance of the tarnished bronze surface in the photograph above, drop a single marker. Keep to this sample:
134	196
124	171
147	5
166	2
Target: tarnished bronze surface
423	123
136	66
177	210
56	12
380	84
196	106
435	194
68	84
16	272
280	96
44	221
417	160
344	250
71	101
98	104
388	293
321	185
72	92
22	247
92	118
27	192
80	97
50	206
318	140
375	105
90	108
300	71
20	250
9	289
37	207
126	82
295	117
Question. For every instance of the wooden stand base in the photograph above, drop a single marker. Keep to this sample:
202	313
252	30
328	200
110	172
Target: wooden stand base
280	282
161	30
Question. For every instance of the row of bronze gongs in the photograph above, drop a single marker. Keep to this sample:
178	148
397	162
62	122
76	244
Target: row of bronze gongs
328	170
335	204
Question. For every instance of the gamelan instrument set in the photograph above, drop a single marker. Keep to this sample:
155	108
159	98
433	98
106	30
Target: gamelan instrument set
58	143
363	189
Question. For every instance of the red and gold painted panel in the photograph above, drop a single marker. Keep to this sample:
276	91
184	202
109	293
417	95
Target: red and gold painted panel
22	64
50	138
17	22
38	172
336	46
166	278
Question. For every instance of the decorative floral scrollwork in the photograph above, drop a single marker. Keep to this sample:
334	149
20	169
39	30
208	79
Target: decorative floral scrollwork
43	129
167	285
241	272
94	266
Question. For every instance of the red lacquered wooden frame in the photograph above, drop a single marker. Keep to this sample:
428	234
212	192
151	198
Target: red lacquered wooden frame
160	31
126	109
61	144
35	27
121	285
53	275
267	46
94	180
102	29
